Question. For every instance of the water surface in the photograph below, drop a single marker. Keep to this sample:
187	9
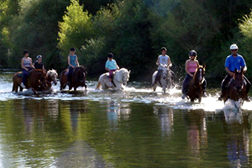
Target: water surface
132	128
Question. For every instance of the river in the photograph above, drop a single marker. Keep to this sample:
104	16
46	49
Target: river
132	128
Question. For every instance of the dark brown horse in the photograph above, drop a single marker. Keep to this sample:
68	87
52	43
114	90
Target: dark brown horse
35	80
236	88
195	90
78	78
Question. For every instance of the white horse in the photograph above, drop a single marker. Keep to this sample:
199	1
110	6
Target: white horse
165	80
120	78
52	76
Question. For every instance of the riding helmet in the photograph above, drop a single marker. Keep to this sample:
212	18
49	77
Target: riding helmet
110	55
163	49
39	56
233	47
192	53
72	49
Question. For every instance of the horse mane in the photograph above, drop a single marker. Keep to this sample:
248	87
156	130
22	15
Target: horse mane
200	66
51	71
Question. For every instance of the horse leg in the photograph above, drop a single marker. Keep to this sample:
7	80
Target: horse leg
154	87
98	85
14	87
199	99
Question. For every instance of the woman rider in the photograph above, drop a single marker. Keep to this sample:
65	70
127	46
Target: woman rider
38	64
72	62
26	65
190	67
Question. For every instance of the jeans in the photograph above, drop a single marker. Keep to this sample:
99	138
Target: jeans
70	71
25	74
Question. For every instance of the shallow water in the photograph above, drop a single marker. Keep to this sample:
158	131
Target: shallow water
132	128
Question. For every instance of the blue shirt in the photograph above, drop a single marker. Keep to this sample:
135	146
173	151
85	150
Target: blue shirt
73	60
233	63
111	65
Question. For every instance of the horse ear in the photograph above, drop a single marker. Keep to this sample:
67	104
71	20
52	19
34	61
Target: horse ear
129	71
204	65
235	70
241	69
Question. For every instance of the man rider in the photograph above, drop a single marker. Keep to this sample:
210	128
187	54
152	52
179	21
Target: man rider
165	60
234	61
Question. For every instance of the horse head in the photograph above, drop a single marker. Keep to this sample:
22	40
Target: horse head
125	75
164	71
200	72
52	76
81	74
238	83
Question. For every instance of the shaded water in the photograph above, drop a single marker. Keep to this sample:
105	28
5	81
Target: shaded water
132	128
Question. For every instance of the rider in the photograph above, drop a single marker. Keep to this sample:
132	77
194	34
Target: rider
72	62
165	60
190	67
234	61
26	65
38	64
111	66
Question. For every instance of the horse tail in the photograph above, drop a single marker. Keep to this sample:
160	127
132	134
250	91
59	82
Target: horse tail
98	85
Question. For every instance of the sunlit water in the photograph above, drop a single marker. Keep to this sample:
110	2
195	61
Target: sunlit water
135	127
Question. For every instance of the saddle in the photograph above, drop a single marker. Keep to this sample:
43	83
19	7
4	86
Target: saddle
21	74
107	74
66	73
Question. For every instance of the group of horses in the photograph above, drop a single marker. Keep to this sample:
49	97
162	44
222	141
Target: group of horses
235	88
42	81
39	80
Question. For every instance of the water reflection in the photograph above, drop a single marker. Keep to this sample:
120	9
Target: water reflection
33	113
76	108
196	132
53	109
115	111
236	127
165	116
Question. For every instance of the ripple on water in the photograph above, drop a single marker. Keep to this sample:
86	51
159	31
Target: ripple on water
132	93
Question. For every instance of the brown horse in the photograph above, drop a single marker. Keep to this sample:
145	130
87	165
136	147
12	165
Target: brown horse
195	90
236	88
36	80
78	78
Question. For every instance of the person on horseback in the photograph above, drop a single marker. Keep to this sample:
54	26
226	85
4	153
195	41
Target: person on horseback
38	64
26	65
232	62
72	62
190	67
111	66
165	60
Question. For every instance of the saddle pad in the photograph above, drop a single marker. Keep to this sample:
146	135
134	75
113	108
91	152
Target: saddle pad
20	75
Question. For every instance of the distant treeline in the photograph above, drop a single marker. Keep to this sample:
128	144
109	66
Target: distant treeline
134	30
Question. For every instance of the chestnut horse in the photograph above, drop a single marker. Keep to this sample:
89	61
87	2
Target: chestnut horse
195	90
236	88
78	78
36	80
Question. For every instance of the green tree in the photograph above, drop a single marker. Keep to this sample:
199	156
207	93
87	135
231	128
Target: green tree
75	29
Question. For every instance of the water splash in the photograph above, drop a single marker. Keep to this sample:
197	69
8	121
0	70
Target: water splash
135	92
